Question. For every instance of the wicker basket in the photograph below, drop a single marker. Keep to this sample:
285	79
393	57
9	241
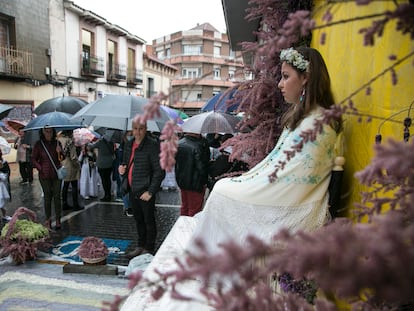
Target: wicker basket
94	261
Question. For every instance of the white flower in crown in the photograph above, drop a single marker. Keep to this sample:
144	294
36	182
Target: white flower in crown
294	58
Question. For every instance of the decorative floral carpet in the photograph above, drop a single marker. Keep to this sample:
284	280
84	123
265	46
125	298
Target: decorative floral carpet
67	249
37	286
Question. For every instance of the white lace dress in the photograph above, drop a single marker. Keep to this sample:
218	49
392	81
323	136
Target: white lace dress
4	192
90	183
251	205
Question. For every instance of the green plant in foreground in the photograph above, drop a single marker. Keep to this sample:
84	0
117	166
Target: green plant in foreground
21	238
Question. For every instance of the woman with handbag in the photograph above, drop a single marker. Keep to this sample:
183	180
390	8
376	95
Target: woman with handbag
72	165
47	152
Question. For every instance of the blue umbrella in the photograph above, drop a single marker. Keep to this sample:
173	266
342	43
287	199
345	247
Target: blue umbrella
175	114
219	102
56	119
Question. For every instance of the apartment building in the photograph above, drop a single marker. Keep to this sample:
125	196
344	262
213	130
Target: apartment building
206	65
24	42
158	75
50	48
93	56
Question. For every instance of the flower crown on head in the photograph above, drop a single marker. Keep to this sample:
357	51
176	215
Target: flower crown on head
294	58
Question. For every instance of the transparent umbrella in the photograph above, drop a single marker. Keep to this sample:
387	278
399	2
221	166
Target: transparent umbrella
211	122
83	136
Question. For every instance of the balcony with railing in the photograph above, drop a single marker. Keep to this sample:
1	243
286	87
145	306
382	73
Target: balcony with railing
116	72
92	66
15	63
135	76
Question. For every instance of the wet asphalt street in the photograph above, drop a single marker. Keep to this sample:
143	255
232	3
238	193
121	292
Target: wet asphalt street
101	219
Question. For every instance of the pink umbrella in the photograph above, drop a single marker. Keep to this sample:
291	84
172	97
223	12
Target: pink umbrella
83	136
14	125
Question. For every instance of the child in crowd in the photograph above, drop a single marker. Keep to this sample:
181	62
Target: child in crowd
90	180
4	186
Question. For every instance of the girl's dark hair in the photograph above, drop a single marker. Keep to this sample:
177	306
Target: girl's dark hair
318	89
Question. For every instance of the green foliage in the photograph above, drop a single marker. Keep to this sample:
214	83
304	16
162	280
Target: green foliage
26	229
21	238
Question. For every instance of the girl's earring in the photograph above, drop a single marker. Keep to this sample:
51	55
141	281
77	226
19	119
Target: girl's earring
302	96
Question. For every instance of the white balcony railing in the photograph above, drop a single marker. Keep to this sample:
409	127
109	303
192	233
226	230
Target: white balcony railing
16	62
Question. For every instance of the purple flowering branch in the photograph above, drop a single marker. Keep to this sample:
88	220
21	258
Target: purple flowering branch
366	265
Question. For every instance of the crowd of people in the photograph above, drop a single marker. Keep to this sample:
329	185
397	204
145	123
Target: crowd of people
91	172
297	199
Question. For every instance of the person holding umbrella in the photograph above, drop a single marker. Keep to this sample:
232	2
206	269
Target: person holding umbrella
104	162
141	164
72	165
51	184
23	157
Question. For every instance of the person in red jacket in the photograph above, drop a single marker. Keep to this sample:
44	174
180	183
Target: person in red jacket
49	181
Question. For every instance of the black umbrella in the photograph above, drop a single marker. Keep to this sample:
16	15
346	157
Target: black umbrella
4	110
56	119
113	135
63	103
60	121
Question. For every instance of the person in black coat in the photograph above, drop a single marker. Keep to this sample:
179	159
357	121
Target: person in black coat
104	162
191	172
141	164
222	166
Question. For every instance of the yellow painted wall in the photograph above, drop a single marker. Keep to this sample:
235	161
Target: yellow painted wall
351	65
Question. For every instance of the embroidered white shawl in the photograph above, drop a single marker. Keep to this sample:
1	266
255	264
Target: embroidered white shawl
252	205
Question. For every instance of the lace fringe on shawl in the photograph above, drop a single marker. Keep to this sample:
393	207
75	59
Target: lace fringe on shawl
217	223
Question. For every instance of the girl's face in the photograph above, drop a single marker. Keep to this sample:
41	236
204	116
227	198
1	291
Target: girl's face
291	84
139	131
